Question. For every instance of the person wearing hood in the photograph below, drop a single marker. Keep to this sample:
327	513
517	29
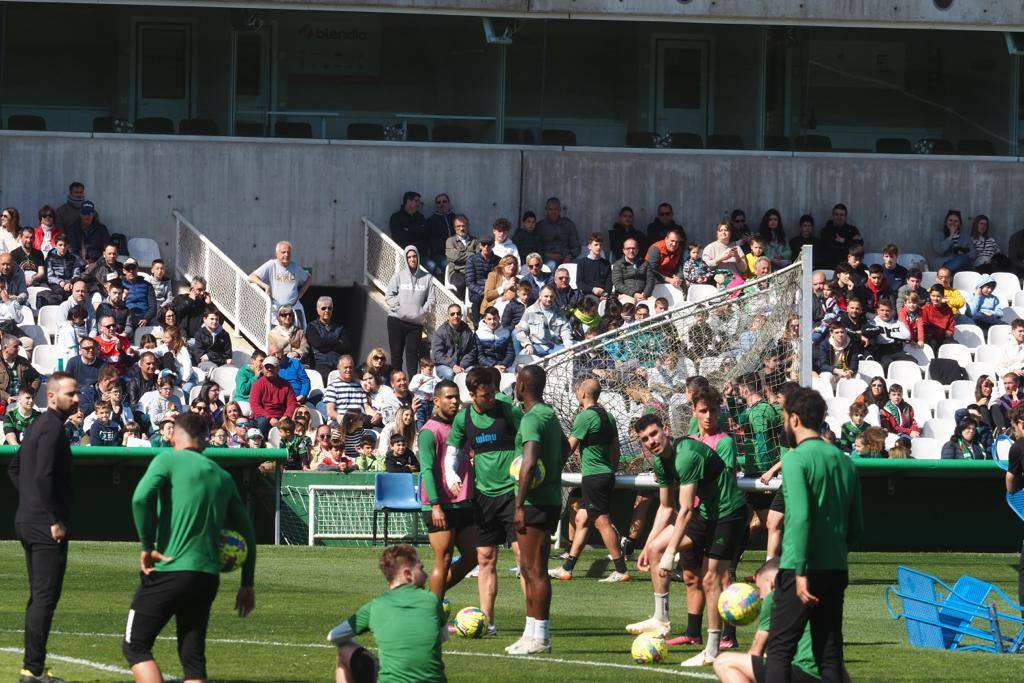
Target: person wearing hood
410	299
494	347
836	355
453	346
543	329
984	305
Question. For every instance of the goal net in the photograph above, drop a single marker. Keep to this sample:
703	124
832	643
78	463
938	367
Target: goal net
340	512
643	366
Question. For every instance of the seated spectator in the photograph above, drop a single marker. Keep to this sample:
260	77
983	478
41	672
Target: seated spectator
984	401
247	376
533	274
988	258
114	306
87	236
139	295
163	287
80	297
73	428
807	237
44	238
585	317
479	267
408	227
190	308
665	258
284	281
377	363
404	425
292	371
173	355
897	415
400	395
85	365
722	254
501	283
399	457
964	444
870	444
912	286
327	338
774	235
440	227
632	275
860	331
544	329
953	297
938	319
422	387
70	333
352	433
514	309
758	250
855	259
296	446
320	447
96	273
875	289
622	230
1012	357
142	378
593	271
30	260
62	269
494	348
666	379
135	437
236	439
254	438
19	416
566	296
232	414
210	393
163	402
114	395
336	460
272	397
561	238
695	270
503	244
12	281
835	355
954	244
162	437
887	345
910	315
837	237
1011	396
105	431
9	226
983	305
213	343
344	393
367	460
854	427
843	285
663	223
453	345
375	398
287	335
526	237
895	274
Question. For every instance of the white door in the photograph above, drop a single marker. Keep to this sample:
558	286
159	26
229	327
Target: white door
251	75
681	86
163	70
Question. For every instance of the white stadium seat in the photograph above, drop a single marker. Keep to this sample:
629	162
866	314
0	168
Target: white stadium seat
460	382
674	295
873	257
958	352
835	424
921	354
867	369
850	388
316	380
273	437
965	279
923	448
701	292
988	353
890	440
911	260
332	376
1018	299
44	359
922	409
240	358
1012	313
928	390
829	274
33	292
36	333
823	385
904	372
938	428
27	316
147	329
839	407
947	407
976	370
970	336
144	250
928	278
225	377
962	389
998	334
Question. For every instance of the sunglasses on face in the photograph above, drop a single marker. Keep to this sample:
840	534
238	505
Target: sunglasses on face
664	214
376	357
562	279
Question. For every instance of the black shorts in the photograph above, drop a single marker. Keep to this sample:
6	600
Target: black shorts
597	493
186	596
543	517
796	674
719	539
456	518
778	502
760	500
692	557
492	516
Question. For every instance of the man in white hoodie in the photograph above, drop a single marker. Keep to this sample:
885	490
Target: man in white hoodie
1012	358
892	332
410	299
543	330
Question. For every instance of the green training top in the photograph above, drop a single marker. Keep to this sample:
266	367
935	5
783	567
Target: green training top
596	437
181	505
694	462
823	507
427	455
693	428
491	437
406	623
541	424
765	432
804	657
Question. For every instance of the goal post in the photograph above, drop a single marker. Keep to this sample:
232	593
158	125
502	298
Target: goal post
345	512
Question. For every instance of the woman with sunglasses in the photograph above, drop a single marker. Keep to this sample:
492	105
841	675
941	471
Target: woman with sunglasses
286	334
45	236
9	226
874	397
321	446
535	276
377	363
327	339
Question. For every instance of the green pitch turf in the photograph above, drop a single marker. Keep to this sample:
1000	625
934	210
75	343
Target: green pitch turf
302	592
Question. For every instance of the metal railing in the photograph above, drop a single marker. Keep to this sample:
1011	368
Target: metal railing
243	304
384	255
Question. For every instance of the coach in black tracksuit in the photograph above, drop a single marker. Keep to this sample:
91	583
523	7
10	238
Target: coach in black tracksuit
41	472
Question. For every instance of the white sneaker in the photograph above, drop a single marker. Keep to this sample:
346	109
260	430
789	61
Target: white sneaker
530	646
616	577
651	625
492	630
699	659
515	645
560	573
474	573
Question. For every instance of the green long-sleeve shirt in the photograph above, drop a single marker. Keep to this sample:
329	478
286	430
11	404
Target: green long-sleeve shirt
181	505
823	507
243	383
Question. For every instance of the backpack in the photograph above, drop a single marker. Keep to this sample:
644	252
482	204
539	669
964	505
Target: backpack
946	370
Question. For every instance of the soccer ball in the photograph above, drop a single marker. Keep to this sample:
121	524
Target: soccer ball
233	550
446	607
538	472
740	604
648	648
470	622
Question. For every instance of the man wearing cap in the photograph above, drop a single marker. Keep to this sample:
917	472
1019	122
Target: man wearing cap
271	397
503	244
87	236
284	281
68	212
97	272
139	295
478	267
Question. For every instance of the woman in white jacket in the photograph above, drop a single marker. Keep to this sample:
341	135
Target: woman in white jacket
173	355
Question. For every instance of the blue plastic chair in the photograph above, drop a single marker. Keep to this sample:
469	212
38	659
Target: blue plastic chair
395	492
1000	453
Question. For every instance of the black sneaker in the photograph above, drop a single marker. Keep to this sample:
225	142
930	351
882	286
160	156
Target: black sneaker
27	676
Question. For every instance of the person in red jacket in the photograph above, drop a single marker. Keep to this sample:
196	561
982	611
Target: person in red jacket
113	349
271	397
937	317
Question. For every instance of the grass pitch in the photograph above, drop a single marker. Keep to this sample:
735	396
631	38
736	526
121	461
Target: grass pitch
302	592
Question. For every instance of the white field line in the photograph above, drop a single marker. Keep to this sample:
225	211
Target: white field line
674	671
75	660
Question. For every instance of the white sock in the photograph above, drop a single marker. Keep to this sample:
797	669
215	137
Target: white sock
714	637
540	630
528	631
661	606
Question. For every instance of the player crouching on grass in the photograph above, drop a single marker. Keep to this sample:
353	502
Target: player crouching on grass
407	622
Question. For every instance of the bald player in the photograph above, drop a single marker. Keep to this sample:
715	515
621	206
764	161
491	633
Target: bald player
595	436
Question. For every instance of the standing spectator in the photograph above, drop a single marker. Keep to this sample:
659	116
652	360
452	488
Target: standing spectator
895	274
494	348
722	254
9	226
567	297
162	285
326	338
776	247
344	393
453	346
29	259
503	245
44	238
478	268
15	371
283	281
191	306
955	245
543	329
458	249
87	236
410	299
622	230
806	237
287	335
247	376
501	283
528	240
272	397
593	271
739	231
664	222
938	319
561	239
139	295
632	275
62	269
838	236
173	355
408	226
97	273
440	227
69	211
213	343
142	379
292	371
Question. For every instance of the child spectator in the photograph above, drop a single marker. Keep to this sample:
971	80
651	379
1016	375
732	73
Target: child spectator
133	437
119	410
399	458
70	332
297	446
19	417
696	271
910	315
832	310
254	438
162	285
159	403
870	444
938	319
855	427
898	416
219	438
73	427
422	386
514	309
162	439
335	459
147	342
757	251
913	286
899	451
367	460
964	444
984	305
584	317
352	432
104	431
627	313
660	305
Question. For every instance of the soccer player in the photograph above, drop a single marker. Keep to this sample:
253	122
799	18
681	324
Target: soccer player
448	516
595	432
538	504
777	508
407	622
733	667
180	559
823	518
762	424
1015	474
41	472
488	427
